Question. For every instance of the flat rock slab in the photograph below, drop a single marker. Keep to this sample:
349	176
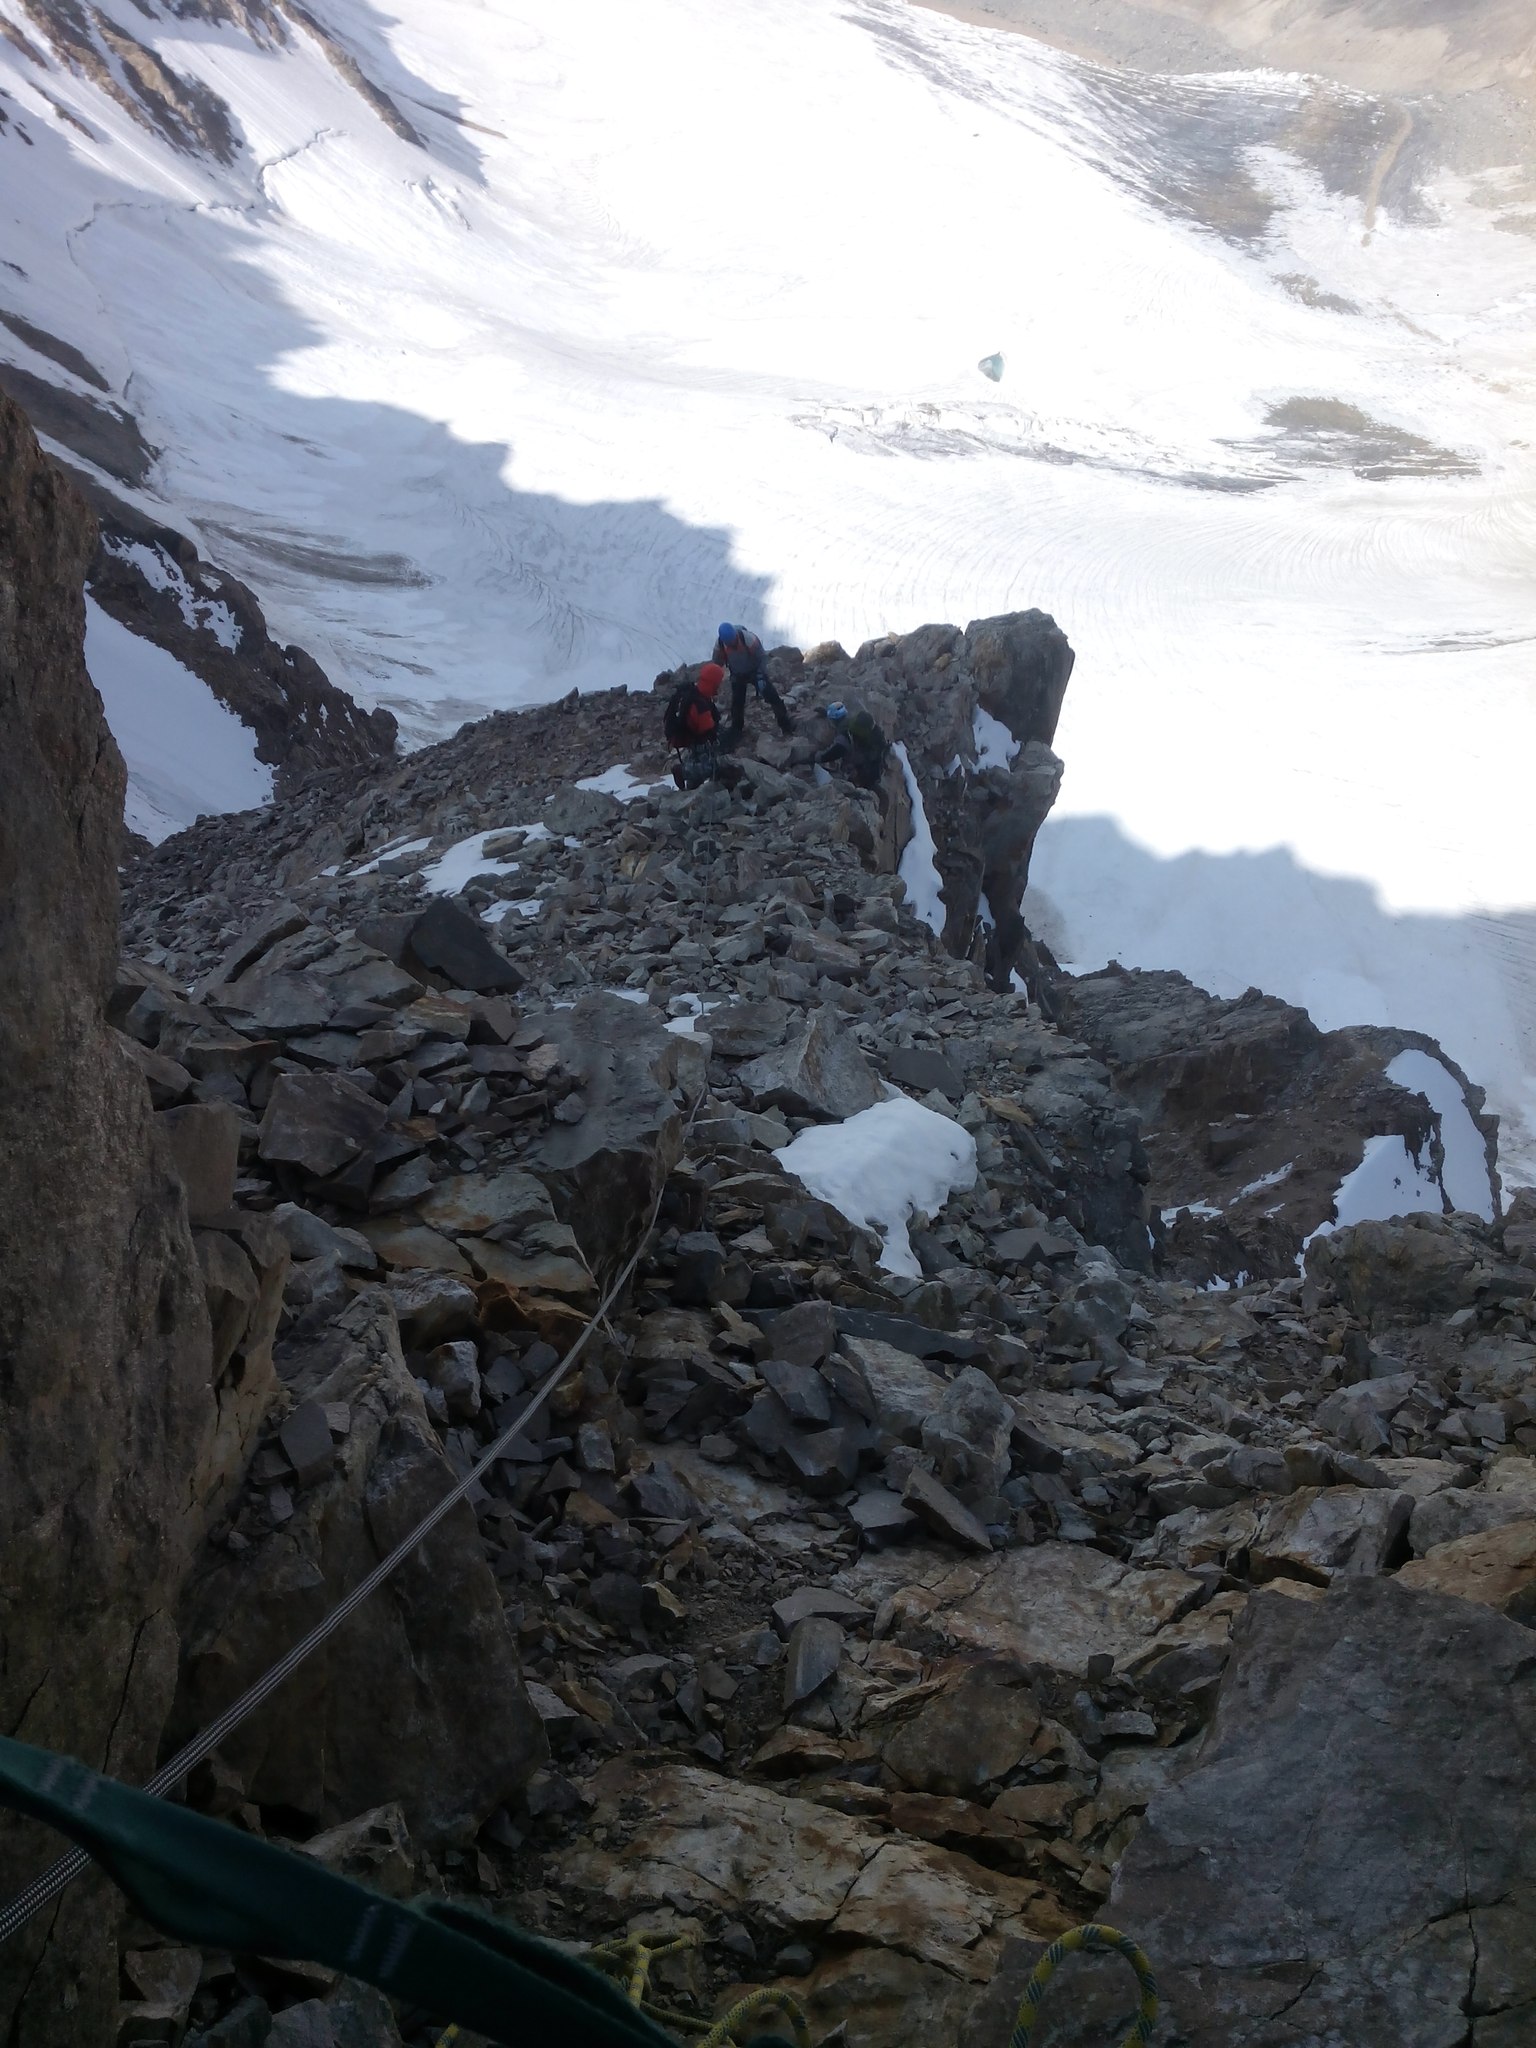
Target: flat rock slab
910	1067
1496	1568
711	1845
318	1122
935	1505
809	1601
1057	1604
470	1204
1353	1859
905	1334
448	941
1325	1532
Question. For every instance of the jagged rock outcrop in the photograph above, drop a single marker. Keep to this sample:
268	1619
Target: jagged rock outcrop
977	711
154	581
104	1337
1250	1115
180	109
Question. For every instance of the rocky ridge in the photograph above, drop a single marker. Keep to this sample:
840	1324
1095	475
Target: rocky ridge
875	1627
154	581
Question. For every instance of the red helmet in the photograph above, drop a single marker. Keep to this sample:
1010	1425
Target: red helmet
711	676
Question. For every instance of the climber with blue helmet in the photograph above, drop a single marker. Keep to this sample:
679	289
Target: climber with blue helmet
741	655
858	746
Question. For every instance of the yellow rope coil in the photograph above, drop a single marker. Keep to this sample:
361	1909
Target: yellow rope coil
724	2030
1104	1940
632	1956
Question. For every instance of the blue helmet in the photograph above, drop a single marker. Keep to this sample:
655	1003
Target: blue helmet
727	635
837	713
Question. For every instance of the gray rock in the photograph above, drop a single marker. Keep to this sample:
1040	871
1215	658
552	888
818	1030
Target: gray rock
819	1072
432	1307
605	1173
802	1390
310	1237
977	1729
1358	1415
1413	1269
372	1848
454	1369
700	1265
768	1425
822	1461
936	1506
1323	1533
306	1440
805	1334
460	1737
1030	1247
926	1072
471	1204
905	1392
1096	1307
814	1653
808	1602
103	1326
448	941
319	1123
257	940
1251	1469
967	1436
1357	1844
880	1516
246	2025
306	2025
1447	1516
203	1139
402	1188
744	1031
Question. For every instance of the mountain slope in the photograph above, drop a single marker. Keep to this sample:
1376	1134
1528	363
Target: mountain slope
621	323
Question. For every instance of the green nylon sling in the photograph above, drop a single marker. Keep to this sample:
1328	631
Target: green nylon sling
211	1886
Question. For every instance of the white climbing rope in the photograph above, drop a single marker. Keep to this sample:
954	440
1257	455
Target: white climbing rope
28	1903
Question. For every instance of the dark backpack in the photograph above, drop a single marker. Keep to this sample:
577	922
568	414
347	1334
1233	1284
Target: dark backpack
674	720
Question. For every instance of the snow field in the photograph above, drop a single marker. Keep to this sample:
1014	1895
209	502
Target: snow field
187	755
534	408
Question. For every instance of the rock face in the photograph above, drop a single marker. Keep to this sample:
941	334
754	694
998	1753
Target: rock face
449	1729
1360	1828
103	1330
978	712
1251	1116
154	581
182	110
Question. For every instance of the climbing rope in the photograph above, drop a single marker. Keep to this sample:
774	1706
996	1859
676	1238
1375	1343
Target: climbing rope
1102	1940
22	1908
631	1957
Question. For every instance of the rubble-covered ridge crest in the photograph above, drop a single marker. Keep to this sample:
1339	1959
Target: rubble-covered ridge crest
917	1561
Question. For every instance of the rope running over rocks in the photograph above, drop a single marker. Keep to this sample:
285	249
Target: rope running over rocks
46	1888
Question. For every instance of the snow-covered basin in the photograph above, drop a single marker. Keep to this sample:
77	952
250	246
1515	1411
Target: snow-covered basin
882	1167
187	754
456	411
